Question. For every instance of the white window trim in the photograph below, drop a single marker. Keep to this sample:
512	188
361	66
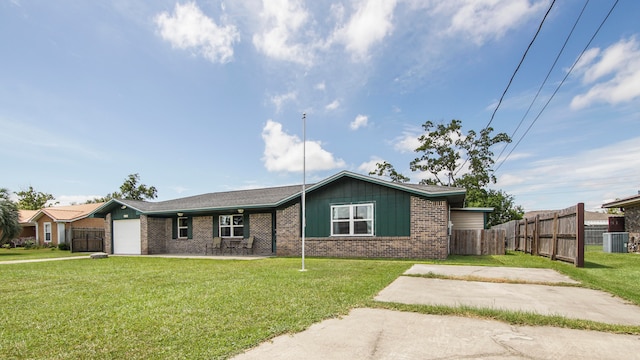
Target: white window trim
231	226
351	220
183	227
44	232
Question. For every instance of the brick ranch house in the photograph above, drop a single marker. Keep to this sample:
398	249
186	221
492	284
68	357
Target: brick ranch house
631	207
348	215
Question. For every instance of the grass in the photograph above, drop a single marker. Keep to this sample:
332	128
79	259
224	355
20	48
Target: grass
139	308
29	254
142	308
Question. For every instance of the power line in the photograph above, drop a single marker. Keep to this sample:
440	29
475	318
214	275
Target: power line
559	85
504	93
548	74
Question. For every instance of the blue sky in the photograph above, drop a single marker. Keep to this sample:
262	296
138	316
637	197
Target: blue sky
207	96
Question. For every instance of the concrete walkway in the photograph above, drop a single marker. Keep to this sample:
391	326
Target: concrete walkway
385	334
209	257
570	302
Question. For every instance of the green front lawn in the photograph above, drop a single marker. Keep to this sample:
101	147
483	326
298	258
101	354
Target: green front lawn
140	308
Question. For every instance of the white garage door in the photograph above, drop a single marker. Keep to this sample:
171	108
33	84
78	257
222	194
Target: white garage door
126	237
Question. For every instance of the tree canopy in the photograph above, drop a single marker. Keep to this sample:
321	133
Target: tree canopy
450	158
9	218
33	200
130	190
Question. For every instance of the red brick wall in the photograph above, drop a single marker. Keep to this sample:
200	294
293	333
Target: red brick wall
428	239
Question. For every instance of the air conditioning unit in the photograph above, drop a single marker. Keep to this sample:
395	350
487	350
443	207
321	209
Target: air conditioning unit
615	242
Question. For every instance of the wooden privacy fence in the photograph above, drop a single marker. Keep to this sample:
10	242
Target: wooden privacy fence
558	235
87	239
477	242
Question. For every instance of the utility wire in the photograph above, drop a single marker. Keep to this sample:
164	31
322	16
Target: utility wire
504	93
559	85
547	77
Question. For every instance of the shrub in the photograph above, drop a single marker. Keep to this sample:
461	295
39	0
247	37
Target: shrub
64	246
29	245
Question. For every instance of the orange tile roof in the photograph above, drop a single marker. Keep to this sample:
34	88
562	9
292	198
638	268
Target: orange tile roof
25	215
69	213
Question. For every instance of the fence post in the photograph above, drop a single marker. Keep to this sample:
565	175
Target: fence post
554	244
536	236
580	235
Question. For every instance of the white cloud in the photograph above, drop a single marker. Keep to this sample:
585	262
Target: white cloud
179	189
369	25
615	73
586	176
283	152
279	100
75	199
190	28
282	27
408	142
484	20
334	105
358	122
320	86
369	166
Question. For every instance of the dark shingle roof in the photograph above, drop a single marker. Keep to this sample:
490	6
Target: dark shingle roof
265	197
270	197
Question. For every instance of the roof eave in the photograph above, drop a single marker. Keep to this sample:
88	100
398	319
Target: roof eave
634	200
208	209
397	186
110	204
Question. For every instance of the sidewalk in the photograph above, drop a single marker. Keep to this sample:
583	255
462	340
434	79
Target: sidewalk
210	257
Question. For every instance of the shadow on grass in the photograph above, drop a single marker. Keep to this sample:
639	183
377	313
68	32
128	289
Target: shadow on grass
594	265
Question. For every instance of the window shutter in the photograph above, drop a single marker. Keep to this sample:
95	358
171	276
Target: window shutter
245	225
189	227
216	226
174	228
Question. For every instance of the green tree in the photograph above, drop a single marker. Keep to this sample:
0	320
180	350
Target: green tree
442	147
451	158
130	190
9	218
504	208
386	169
33	200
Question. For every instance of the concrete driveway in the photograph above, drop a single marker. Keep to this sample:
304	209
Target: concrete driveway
386	334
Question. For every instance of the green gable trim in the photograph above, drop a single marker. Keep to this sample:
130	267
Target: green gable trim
123	214
451	194
391	211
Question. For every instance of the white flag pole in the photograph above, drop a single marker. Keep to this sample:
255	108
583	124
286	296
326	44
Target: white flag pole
304	179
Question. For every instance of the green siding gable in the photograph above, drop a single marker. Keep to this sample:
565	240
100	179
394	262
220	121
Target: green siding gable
127	213
391	207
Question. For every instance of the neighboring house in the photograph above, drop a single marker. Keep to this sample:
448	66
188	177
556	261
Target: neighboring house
28	232
631	207
348	215
54	224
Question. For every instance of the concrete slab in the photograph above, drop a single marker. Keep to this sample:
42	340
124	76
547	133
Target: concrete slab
486	272
570	302
386	334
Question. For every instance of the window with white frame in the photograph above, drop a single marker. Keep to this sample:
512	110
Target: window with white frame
231	225
47	232
352	220
183	227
